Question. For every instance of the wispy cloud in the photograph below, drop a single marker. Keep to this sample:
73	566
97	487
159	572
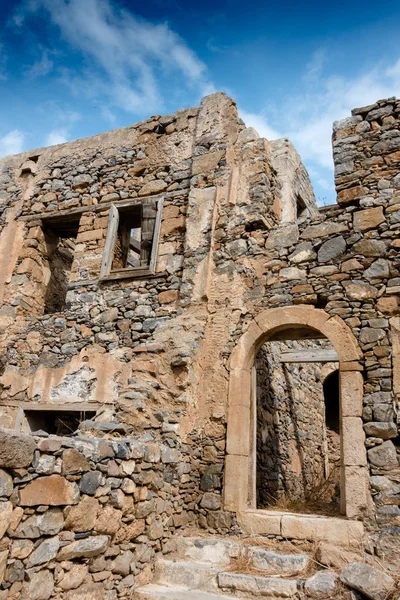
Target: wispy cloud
126	53
57	136
41	67
306	117
12	143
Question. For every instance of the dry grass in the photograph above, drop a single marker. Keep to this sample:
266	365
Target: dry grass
316	501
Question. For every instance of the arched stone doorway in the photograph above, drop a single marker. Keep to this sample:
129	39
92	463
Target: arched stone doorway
239	483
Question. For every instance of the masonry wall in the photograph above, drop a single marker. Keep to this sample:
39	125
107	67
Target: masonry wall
154	353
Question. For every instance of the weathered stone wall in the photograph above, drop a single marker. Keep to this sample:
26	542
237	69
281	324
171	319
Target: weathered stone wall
155	352
88	515
292	437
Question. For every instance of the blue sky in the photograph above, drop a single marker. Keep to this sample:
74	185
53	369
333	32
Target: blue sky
74	68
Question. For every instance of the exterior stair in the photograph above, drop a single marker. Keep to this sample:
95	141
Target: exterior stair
201	569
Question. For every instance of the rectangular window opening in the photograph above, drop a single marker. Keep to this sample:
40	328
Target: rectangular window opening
301	208
132	239
57	422
60	238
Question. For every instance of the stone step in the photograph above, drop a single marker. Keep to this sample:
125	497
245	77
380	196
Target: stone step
276	563
258	585
194	575
208	549
221	552
163	592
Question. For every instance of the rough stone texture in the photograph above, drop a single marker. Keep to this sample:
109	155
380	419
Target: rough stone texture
85	548
53	490
150	354
375	584
16	450
321	585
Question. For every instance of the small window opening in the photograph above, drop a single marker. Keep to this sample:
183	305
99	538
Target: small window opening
34	158
132	239
301	208
57	422
25	173
60	240
129	245
160	129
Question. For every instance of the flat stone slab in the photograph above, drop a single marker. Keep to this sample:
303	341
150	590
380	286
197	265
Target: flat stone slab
164	592
215	551
371	582
198	575
257	585
272	562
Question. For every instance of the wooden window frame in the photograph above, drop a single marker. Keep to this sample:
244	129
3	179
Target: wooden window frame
106	271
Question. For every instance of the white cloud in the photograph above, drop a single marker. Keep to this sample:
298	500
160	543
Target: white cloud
12	143
57	136
259	122
40	68
306	117
126	54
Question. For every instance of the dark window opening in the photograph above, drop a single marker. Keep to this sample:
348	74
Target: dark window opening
60	241
132	239
34	158
301	208
57	422
331	397
130	243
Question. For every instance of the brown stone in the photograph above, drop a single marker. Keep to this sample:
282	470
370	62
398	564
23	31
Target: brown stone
52	491
83	516
350	194
74	462
108	520
368	218
168	296
129	532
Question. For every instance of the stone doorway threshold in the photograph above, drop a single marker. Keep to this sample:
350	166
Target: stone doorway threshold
315	528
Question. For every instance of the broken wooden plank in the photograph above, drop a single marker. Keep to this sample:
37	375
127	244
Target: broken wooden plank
309	356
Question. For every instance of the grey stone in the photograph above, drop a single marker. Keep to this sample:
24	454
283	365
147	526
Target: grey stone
122	563
303	252
259	586
6	484
40	585
211	501
16	450
382	430
331	249
272	562
369	581
359	290
45	552
321	585
378	270
86	548
384	455
370	248
370	335
283	237
90	482
49	523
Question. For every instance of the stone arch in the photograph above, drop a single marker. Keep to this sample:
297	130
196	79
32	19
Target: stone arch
239	481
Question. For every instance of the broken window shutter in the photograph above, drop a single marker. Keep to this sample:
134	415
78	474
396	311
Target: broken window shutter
112	228
149	213
156	236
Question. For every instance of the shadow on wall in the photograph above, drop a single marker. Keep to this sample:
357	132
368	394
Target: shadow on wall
298	444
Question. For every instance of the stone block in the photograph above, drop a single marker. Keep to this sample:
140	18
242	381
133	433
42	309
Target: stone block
330	529
384	455
257	585
369	218
353	442
52	491
16	450
85	548
371	582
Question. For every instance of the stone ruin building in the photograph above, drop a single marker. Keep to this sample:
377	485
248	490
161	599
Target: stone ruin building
200	368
